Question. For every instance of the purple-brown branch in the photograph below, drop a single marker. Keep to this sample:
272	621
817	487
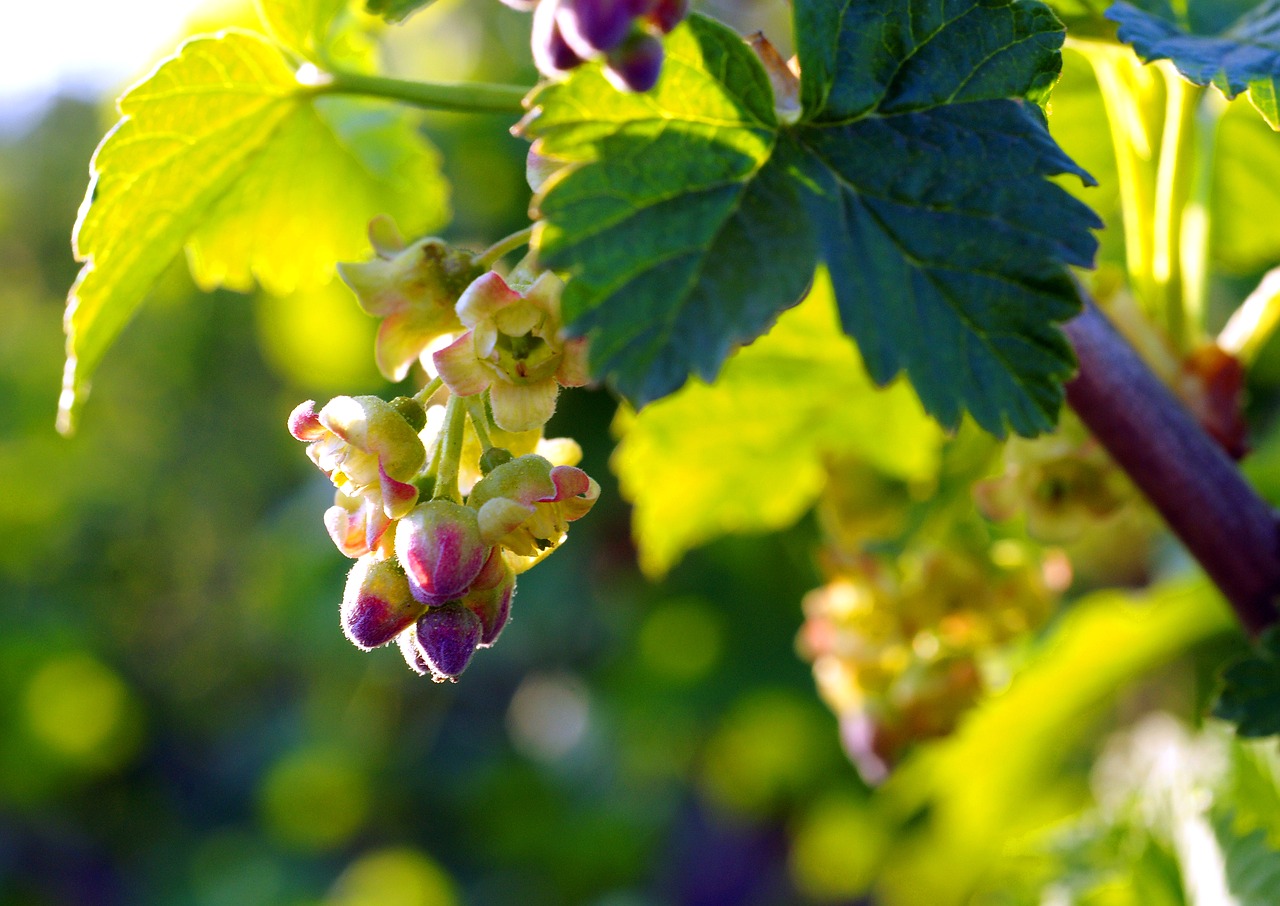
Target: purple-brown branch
1184	473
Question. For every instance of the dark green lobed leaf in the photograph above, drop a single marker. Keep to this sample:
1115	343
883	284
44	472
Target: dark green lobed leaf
943	271
689	218
1251	690
1243	57
892	57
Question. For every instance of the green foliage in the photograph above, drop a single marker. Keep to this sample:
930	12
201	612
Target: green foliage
1251	864
1251	690
749	453
395	10
302	26
1240	57
692	216
222	152
684	235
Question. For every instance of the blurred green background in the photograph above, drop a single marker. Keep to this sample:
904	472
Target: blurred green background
182	722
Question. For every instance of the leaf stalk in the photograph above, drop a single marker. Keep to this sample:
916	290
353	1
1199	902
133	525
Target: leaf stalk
459	97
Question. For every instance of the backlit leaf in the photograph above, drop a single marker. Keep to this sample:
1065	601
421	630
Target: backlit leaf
748	453
221	151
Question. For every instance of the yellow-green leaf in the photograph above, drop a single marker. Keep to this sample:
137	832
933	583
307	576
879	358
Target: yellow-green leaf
223	152
301	25
747	453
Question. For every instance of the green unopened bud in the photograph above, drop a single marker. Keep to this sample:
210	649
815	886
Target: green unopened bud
412	412
493	457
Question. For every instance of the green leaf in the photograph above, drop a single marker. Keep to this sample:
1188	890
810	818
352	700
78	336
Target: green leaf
395	10
301	25
1246	233
680	223
1251	690
894	57
1251	865
748	453
221	151
690	217
1245	56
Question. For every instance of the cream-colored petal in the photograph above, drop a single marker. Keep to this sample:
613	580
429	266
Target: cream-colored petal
459	368
501	516
486	296
523	407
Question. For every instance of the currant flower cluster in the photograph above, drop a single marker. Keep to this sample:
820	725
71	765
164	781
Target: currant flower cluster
898	643
443	498
1064	484
625	33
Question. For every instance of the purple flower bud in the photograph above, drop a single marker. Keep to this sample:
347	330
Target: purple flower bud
592	27
408	644
439	546
378	604
667	14
635	64
552	54
489	597
447	637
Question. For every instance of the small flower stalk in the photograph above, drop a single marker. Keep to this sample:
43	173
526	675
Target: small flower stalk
442	506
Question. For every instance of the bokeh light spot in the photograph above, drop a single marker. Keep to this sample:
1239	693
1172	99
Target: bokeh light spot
549	715
836	849
681	639
314	799
82	711
769	747
393	877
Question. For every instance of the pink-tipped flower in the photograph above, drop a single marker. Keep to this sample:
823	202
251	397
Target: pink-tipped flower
447	637
365	447
489	597
440	548
526	506
357	525
515	349
378	604
413	289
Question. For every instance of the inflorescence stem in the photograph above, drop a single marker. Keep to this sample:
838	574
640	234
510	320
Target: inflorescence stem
504	246
451	433
1198	490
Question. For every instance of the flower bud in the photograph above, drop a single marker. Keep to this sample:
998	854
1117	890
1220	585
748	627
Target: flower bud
447	637
493	457
377	604
592	27
636	63
440	548
489	597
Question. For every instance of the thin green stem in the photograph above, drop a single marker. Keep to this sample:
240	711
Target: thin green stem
504	246
424	395
1173	182
479	420
1118	75
451	433
463	97
1197	216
